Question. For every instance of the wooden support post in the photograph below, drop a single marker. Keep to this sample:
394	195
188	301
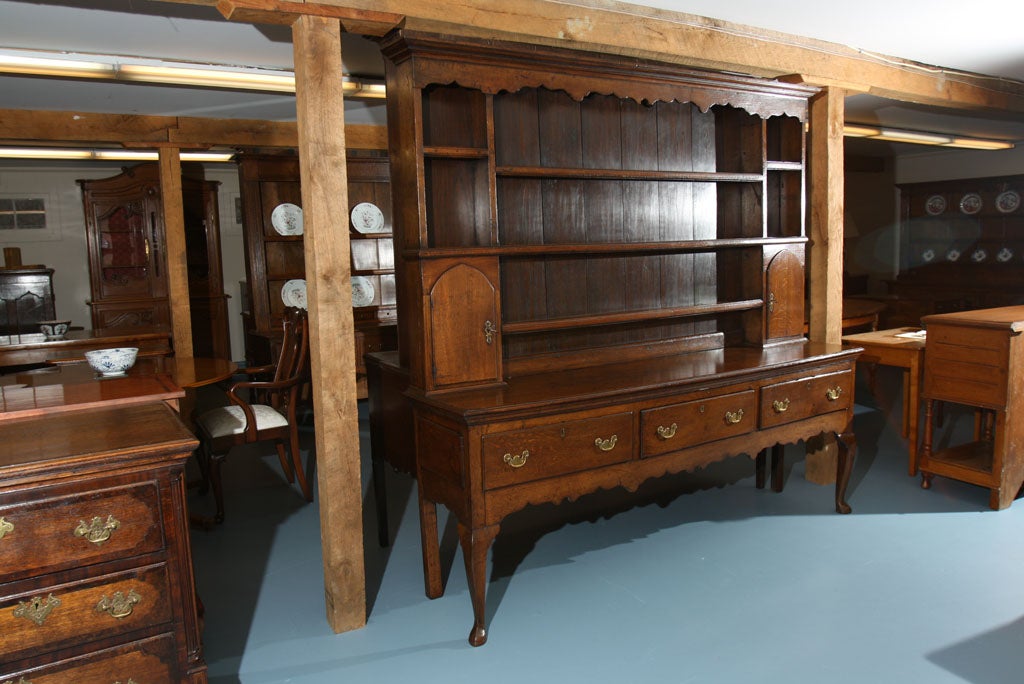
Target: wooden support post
321	129
825	258
177	258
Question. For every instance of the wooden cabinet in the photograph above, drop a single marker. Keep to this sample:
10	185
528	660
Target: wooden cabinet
961	247
26	297
126	240
96	580
976	358
272	259
599	265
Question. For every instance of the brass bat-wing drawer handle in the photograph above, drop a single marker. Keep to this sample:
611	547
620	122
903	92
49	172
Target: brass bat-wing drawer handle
606	444
120	605
667	432
517	460
97	530
731	418
5	527
780	406
832	393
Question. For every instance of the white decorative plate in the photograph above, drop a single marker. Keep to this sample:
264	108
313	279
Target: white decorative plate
928	255
970	203
1004	255
287	219
367	218
953	255
362	291
935	205
294	293
1008	201
979	255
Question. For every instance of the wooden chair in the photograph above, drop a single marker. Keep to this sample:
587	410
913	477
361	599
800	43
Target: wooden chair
267	411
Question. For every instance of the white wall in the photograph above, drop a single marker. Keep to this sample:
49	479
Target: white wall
953	164
63	248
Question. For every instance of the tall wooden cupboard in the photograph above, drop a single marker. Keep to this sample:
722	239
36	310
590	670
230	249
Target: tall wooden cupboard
600	272
126	240
272	202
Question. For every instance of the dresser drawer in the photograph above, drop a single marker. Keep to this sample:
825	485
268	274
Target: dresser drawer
520	456
689	423
54	617
786	402
146	661
967	365
58	532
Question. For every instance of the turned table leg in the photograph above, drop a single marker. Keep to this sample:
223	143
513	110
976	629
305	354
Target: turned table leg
475	544
926	444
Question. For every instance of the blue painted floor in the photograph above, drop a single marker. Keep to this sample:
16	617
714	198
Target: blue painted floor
699	578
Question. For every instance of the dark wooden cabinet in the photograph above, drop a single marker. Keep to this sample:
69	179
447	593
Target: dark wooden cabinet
600	272
976	358
126	240
96	581
961	248
26	297
272	259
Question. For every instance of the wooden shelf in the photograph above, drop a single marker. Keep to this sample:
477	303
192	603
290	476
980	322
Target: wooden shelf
626	174
439	152
783	166
626	317
605	248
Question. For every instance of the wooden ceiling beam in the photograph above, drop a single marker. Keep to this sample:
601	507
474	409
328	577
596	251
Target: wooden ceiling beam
26	125
644	32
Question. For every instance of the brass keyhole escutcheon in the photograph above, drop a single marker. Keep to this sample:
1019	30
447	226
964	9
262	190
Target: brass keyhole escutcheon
731	418
667	432
771	302
780	406
517	460
606	444
489	330
832	393
37	608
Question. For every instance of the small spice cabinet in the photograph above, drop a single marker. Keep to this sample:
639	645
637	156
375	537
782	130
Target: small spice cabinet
600	272
96	581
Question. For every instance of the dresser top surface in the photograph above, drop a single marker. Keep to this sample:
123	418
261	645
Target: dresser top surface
1010	318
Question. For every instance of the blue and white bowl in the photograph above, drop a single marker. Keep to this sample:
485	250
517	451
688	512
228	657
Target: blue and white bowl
54	330
112	362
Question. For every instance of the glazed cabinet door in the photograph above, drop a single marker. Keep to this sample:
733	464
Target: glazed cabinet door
464	316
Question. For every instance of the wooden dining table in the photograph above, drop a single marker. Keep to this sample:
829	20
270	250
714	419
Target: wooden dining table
74	387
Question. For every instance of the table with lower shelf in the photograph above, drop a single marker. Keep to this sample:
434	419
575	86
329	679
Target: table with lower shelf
487	453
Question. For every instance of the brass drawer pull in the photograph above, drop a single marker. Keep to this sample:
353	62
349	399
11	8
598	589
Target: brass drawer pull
37	609
21	680
119	606
733	418
489	330
5	527
667	432
517	460
780	406
832	393
97	530
606	444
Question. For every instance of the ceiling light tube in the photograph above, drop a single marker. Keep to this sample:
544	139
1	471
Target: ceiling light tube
247	80
43	153
894	135
105	155
979	144
857	131
45	66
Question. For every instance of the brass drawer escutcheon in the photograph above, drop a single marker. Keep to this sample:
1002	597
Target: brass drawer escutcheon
517	460
606	444
5	527
832	393
732	417
119	606
36	609
489	330
97	530
667	432
780	406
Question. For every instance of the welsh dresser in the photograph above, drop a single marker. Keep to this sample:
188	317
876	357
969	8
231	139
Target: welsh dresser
600	273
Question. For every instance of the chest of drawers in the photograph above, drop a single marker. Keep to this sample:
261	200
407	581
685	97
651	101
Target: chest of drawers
486	454
96	579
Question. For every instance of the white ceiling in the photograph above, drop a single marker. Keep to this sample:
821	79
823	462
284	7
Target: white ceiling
981	37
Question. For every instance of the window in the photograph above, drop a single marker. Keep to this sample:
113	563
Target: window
22	213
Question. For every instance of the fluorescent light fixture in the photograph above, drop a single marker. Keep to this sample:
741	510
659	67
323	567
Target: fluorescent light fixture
116	67
922	138
275	81
107	155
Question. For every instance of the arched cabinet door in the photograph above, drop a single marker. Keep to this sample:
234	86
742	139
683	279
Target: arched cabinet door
465	321
784	294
